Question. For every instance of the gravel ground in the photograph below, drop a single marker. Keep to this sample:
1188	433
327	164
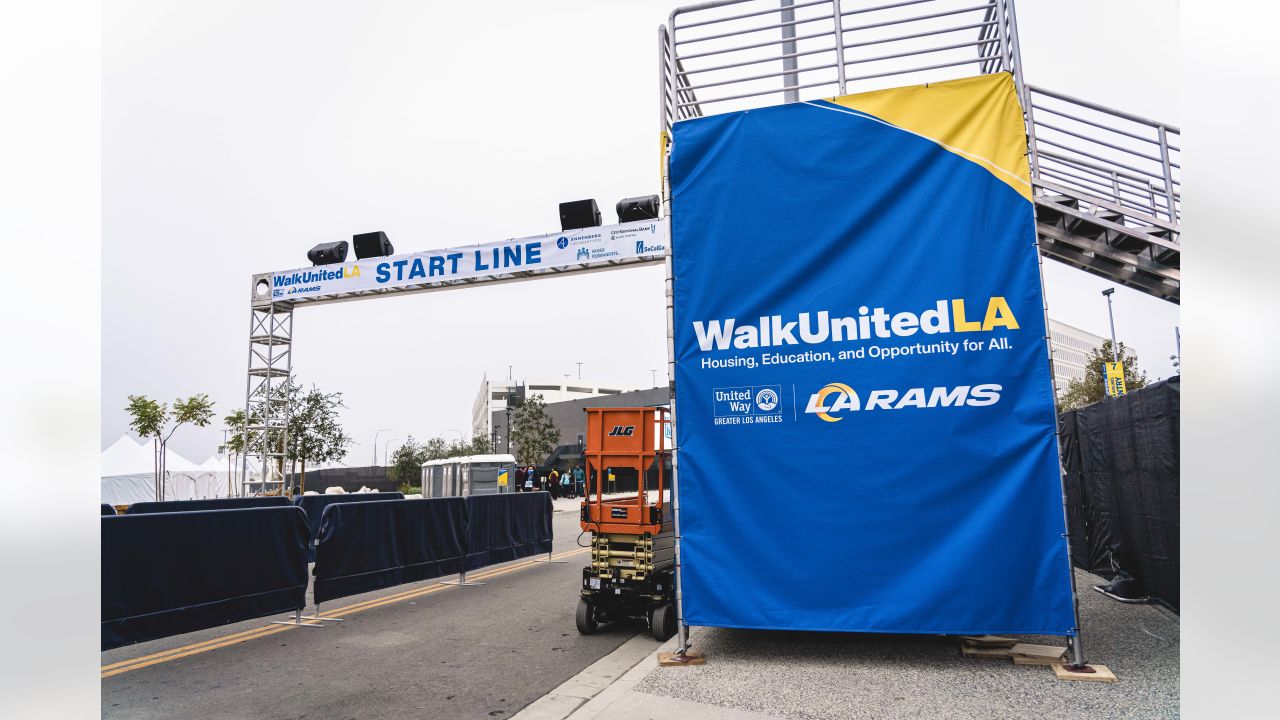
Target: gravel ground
846	675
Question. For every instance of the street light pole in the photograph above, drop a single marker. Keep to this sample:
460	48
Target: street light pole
375	444
508	429
386	447
1115	350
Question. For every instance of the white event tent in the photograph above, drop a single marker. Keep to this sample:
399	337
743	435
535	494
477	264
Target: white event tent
128	474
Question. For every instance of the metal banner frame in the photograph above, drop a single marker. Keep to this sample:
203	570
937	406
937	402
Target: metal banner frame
266	426
736	42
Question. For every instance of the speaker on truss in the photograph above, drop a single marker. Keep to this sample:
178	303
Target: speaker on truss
328	253
638	208
372	244
579	214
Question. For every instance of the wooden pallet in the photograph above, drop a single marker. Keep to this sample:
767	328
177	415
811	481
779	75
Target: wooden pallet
1100	674
998	641
667	659
989	652
1028	654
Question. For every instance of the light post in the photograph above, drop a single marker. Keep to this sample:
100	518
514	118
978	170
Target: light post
386	447
508	427
579	370
461	439
1115	350
654	374
375	444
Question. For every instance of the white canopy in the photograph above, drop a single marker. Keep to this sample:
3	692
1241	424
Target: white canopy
128	456
128	474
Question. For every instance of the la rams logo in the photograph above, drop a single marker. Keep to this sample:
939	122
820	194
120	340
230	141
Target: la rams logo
845	399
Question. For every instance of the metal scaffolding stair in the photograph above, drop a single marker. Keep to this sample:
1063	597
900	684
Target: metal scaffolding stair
1106	182
1107	191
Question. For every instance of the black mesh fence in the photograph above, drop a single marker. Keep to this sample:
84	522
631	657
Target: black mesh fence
1122	467
350	478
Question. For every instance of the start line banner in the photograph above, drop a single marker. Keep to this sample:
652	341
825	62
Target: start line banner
866	415
625	241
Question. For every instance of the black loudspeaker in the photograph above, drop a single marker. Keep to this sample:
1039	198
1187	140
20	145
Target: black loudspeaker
372	244
328	253
579	214
638	208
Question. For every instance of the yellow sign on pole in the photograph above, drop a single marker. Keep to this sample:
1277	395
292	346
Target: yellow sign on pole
502	478
1114	372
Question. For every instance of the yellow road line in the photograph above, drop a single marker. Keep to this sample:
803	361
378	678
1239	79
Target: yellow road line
220	642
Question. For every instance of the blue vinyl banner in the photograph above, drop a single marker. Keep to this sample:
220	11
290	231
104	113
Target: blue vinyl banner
865	409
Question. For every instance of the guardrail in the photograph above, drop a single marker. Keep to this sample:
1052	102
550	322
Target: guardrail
1107	184
737	54
1129	162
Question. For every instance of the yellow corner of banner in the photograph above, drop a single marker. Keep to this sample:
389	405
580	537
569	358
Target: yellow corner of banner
978	118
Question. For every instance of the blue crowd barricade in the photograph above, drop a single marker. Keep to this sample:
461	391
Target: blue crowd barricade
208	504
314	506
373	545
506	527
172	573
108	509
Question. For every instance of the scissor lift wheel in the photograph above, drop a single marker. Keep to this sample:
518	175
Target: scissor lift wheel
585	617
662	622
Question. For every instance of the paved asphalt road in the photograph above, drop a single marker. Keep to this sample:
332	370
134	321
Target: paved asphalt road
441	652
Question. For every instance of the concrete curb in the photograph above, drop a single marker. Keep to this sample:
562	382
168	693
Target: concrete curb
600	676
620	700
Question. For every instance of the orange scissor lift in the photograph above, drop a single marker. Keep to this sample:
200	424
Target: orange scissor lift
632	570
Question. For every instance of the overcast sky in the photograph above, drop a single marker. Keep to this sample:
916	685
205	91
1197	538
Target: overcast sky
236	135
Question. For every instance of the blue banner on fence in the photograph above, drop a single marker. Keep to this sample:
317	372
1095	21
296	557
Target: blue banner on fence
369	546
170	573
506	527
865	412
140	508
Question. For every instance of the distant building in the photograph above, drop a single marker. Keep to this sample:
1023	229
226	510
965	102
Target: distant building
1071	348
494	396
571	421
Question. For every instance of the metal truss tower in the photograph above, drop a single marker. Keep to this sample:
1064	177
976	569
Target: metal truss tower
266	408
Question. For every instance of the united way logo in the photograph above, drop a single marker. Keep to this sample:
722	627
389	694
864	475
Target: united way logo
583	254
767	400
562	243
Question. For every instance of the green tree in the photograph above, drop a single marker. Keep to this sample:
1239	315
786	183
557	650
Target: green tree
236	443
533	433
407	460
1093	388
315	430
406	463
435	449
153	419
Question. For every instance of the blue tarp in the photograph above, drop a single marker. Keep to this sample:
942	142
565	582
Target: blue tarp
866	425
170	573
501	528
108	509
368	546
209	504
